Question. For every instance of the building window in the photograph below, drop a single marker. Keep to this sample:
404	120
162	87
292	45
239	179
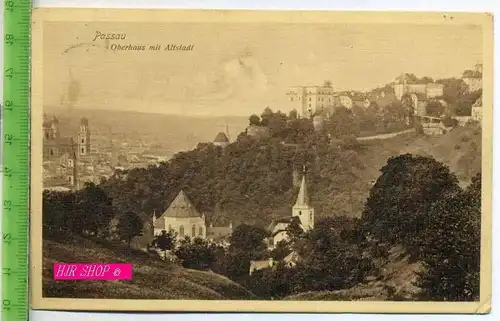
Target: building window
83	151
169	227
309	98
310	217
300	212
200	231
181	231
83	141
193	231
47	135
51	152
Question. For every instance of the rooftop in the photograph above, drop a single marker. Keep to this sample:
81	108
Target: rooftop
181	206
221	138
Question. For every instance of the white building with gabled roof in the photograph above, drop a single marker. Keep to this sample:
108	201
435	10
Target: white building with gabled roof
182	218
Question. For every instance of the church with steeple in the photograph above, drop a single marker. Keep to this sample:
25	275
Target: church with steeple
302	214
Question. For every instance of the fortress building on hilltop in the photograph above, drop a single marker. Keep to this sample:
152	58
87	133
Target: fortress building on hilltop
313	100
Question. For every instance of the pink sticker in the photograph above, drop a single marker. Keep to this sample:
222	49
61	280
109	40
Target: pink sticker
92	271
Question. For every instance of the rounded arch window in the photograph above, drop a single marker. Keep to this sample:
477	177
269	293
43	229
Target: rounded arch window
193	231
181	231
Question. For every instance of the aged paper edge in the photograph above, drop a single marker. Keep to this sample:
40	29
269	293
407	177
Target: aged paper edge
41	15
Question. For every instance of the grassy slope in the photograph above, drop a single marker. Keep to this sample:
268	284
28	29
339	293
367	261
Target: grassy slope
152	278
460	149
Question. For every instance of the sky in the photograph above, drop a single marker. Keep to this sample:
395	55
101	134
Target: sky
240	68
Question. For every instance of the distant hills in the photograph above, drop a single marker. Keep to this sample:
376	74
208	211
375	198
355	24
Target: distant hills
165	134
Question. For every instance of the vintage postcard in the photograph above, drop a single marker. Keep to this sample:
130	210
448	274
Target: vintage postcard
261	161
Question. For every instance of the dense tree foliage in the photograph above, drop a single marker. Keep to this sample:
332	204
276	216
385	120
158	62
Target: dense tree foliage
331	258
451	250
129	226
413	79
400	201
85	212
463	105
417	202
165	241
197	253
435	108
248	238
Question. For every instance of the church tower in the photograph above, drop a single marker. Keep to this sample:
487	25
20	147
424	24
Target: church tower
71	165
302	208
84	138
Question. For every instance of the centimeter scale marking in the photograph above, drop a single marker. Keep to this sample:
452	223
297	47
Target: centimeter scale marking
16	160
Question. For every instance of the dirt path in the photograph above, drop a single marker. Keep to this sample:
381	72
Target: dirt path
386	136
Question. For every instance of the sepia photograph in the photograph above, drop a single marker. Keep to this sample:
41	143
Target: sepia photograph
270	161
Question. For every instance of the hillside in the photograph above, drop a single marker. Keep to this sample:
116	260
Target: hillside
334	193
252	181
152	278
460	149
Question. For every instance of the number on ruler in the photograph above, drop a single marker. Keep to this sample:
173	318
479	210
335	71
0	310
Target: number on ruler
9	6
9	39
7	205
8	139
6	271
9	73
7	237
8	105
6	305
7	172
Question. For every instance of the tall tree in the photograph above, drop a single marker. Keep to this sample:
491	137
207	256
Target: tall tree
129	226
165	241
95	208
254	120
399	204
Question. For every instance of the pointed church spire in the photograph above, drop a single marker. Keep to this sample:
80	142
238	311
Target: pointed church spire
303	197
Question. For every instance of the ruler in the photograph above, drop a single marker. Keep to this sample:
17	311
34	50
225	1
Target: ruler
15	159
